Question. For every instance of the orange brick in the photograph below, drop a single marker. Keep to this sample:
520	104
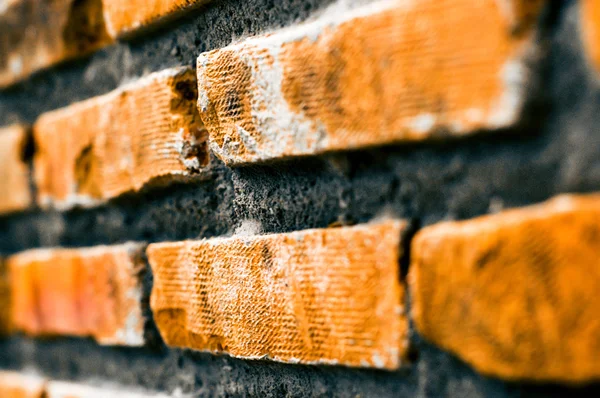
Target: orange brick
515	294
14	174
81	292
35	34
123	17
317	296
61	389
392	71
5	318
590	30
20	385
146	132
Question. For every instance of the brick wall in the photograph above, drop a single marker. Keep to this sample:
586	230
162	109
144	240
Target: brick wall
299	198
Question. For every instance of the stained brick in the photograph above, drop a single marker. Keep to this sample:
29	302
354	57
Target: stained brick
21	385
5	317
14	174
590	30
35	34
515	294
123	17
81	292
146	132
317	296
392	71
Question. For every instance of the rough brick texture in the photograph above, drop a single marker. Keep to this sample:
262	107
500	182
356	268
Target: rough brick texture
35	34
14	173
148	131
5	318
123	17
82	292
514	294
590	30
391	71
20	385
317	296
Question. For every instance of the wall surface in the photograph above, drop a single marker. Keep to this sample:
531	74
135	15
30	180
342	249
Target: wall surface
428	177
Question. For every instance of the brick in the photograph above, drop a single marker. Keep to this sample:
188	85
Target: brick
14	173
146	132
393	71
5	317
123	17
21	385
35	34
80	292
62	389
515	294
590	30
328	296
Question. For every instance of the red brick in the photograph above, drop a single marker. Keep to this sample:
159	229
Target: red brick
124	17
515	294
20	385
35	34
14	174
80	292
393	71
5	317
590	30
146	132
316	296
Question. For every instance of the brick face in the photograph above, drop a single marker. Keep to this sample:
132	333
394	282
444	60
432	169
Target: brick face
81	292
317	296
14	174
515	294
35	34
146	132
5	318
590	30
19	385
392	71
123	17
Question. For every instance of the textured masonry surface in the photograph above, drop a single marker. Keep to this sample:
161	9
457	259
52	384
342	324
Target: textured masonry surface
15	193
81	292
148	131
123	17
549	147
515	294
35	34
22	385
387	72
318	296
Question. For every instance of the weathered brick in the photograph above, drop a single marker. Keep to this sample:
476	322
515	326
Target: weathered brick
590	30
14	174
21	385
81	292
123	17
392	71
61	389
35	34
146	132
5	317
515	294
317	296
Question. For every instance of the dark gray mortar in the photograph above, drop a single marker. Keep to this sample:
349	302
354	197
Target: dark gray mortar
554	151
